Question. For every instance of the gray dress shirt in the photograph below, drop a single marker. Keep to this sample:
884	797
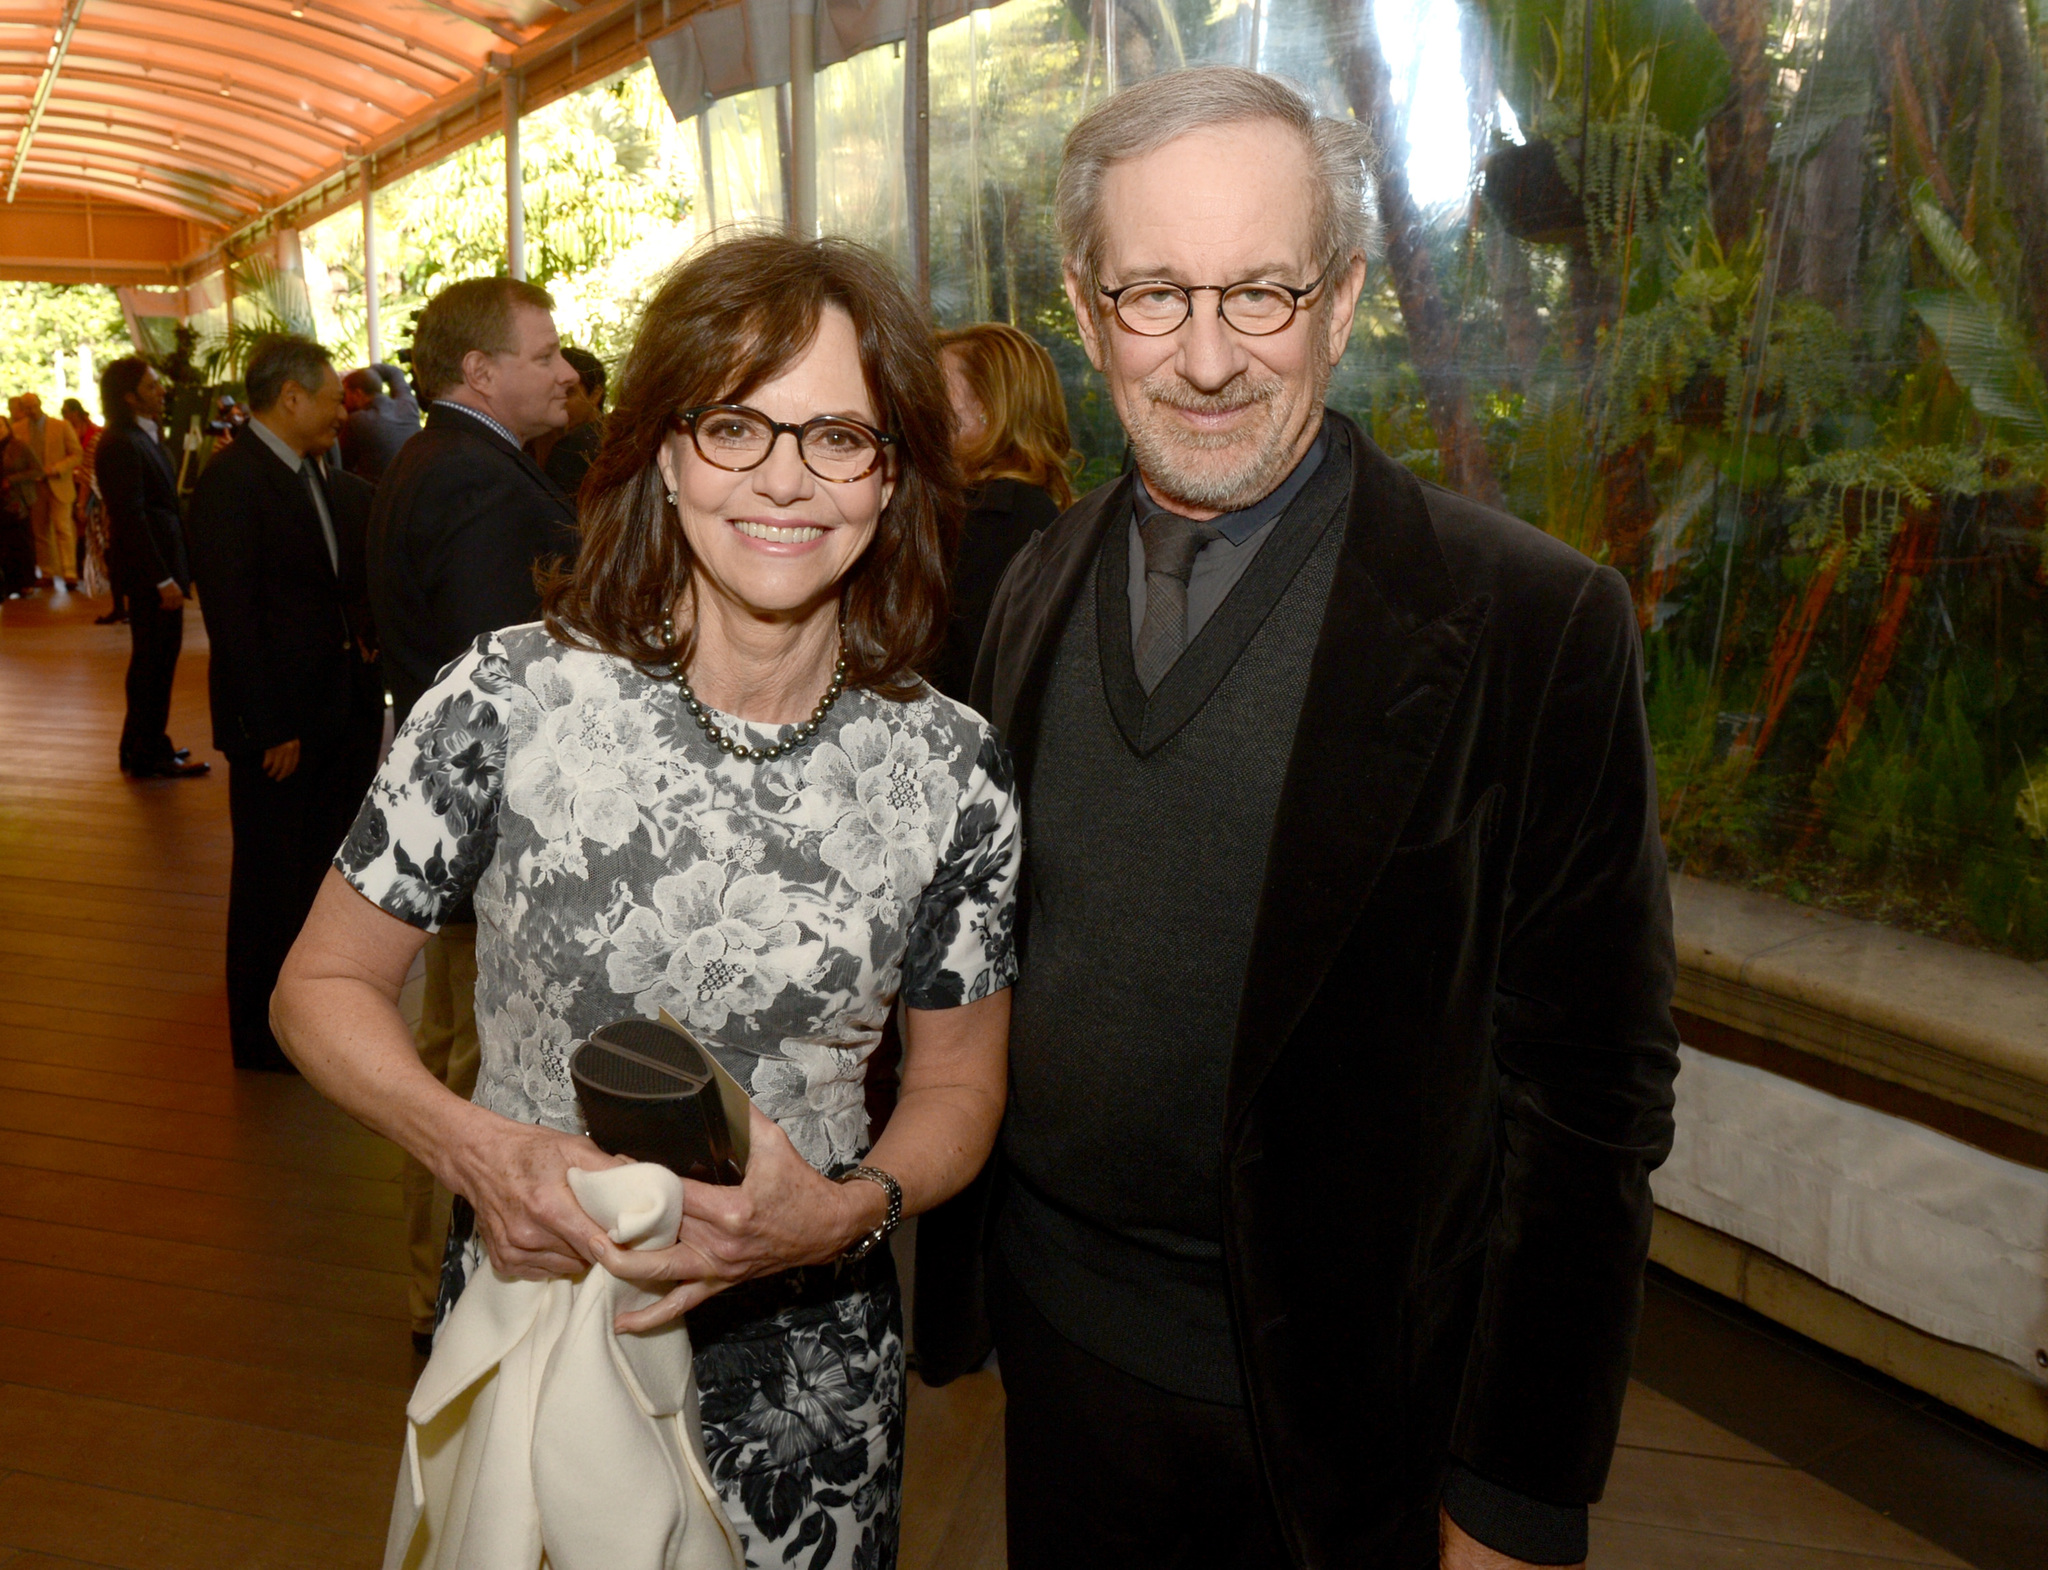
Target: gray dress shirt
1221	562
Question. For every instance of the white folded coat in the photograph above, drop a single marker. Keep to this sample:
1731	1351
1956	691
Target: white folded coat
539	1436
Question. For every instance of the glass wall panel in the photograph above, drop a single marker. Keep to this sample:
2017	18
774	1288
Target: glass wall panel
1006	84
1753	310
860	151
1747	299
742	144
612	198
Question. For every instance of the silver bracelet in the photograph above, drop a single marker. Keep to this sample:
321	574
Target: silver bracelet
862	1246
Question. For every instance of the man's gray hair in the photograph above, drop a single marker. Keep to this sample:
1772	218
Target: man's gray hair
1144	118
282	358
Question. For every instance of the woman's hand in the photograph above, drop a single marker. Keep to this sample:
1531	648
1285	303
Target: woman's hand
517	1177
785	1214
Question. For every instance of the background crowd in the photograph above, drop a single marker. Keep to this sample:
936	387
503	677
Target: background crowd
316	658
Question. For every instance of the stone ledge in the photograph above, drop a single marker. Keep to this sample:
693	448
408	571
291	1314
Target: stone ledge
1955	1022
1986	1387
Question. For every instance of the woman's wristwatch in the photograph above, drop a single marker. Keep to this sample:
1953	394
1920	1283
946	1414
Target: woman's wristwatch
861	1247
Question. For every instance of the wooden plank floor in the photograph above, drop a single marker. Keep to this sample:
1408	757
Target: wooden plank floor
203	1341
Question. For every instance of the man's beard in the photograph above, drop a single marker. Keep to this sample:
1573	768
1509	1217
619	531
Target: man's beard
1225	471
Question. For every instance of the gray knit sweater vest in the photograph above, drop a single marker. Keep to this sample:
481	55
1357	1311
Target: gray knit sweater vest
1146	834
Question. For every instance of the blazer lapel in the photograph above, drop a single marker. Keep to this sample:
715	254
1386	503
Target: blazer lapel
1392	656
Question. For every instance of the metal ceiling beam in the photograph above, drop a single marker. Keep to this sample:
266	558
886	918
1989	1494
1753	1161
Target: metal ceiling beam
323	143
66	25
351	25
231	199
478	19
76	116
256	102
168	195
176	204
94	50
261	60
75	145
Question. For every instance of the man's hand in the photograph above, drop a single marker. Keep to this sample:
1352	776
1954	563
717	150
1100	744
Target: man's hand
1460	1551
170	596
282	761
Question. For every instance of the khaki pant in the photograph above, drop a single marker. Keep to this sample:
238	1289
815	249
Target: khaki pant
447	1043
56	538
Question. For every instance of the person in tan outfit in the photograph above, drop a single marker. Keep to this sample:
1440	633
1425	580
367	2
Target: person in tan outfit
55	445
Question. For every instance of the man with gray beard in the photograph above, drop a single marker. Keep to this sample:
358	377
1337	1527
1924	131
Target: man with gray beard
1342	1051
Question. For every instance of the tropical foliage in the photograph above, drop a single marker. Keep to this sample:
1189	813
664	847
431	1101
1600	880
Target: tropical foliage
608	184
1748	299
42	324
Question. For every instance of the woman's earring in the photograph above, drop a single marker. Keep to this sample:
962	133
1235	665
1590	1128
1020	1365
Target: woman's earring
671	498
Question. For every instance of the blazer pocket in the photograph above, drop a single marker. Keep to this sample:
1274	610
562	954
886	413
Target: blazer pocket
1477	825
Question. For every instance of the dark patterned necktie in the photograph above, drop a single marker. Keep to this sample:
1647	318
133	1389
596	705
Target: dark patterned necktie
1171	545
309	471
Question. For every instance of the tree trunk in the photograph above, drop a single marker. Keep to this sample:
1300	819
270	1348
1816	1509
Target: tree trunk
1829	233
1739	135
2023	149
1432	333
1507	264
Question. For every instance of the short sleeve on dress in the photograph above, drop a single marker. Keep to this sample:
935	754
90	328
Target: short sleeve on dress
963	936
428	827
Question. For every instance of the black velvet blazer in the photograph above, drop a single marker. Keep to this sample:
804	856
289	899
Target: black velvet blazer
1453	1067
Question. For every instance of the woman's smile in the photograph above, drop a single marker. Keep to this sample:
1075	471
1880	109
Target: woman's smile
780	536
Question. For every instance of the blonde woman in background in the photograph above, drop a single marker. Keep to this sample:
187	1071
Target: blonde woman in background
1013	448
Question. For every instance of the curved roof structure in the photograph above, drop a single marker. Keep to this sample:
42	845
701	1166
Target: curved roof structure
216	115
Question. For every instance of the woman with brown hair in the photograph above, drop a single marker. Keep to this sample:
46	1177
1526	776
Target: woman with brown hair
711	782
1011	439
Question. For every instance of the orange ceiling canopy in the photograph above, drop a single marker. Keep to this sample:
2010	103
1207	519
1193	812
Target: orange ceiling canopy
221	118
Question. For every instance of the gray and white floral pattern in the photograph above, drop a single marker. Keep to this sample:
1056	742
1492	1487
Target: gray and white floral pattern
621	864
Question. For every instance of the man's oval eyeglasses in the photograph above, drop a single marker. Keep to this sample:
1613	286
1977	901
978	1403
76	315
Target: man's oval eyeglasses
1258	308
737	438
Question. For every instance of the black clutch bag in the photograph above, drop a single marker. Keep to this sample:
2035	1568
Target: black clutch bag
650	1091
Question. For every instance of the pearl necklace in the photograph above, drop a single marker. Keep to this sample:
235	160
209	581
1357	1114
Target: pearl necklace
739	749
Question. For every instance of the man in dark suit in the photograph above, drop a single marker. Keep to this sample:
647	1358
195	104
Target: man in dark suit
462	518
463	514
277	546
1342	1050
376	424
146	557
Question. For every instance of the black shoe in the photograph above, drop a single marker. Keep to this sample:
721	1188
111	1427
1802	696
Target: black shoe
181	755
108	620
172	769
423	1342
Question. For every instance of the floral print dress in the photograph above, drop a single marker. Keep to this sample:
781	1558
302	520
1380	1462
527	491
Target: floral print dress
621	864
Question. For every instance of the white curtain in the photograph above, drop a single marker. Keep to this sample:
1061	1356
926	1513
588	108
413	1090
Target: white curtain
736	48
